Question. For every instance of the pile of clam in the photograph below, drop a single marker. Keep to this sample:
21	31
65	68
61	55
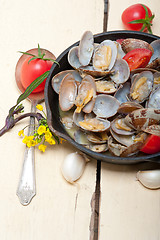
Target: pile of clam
105	106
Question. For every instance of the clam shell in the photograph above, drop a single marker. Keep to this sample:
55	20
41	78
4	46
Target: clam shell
121	71
156	47
142	118
81	137
122	93
96	138
129	44
104	86
73	57
94	73
95	125
57	79
156	82
81	101
125	140
105	106
154	99
86	47
128	107
141	86
99	57
98	147
153	129
67	92
124	130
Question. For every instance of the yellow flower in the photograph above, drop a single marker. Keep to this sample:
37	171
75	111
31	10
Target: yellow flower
51	141
29	141
61	140
42	147
41	130
48	135
39	107
21	133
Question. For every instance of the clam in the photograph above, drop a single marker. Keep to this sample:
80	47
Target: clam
153	129
94	73
98	147
86	94
105	106
128	107
73	57
78	117
129	44
67	92
156	82
122	93
142	118
105	86
86	47
105	56
156	47
95	124
118	149
154	99
80	137
120	53
119	126
125	140
57	79
98	138
121	71
141	86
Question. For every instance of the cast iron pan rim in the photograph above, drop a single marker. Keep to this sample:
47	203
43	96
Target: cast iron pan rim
104	158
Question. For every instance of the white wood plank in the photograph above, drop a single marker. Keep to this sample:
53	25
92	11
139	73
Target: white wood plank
59	210
128	210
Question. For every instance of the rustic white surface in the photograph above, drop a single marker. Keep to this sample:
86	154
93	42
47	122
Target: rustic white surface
60	210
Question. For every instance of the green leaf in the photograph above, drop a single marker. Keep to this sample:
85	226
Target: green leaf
39	51
29	90
32	86
138	21
146	10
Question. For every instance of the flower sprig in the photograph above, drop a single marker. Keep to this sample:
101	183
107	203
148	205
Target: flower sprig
41	135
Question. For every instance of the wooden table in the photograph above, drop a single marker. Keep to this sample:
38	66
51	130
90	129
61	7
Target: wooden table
59	211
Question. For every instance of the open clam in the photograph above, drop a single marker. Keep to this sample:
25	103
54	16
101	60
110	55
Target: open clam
86	47
105	56
105	106
57	79
86	94
121	71
67	92
154	99
141	86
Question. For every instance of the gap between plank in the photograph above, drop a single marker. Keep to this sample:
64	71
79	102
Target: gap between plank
95	201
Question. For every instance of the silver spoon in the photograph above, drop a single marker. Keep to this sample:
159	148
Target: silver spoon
27	184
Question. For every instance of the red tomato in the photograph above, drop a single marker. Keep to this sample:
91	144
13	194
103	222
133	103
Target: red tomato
138	58
32	70
136	12
152	145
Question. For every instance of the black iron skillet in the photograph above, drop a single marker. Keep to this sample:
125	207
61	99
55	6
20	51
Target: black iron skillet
52	104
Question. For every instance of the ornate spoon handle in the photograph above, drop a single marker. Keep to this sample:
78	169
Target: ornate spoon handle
27	185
